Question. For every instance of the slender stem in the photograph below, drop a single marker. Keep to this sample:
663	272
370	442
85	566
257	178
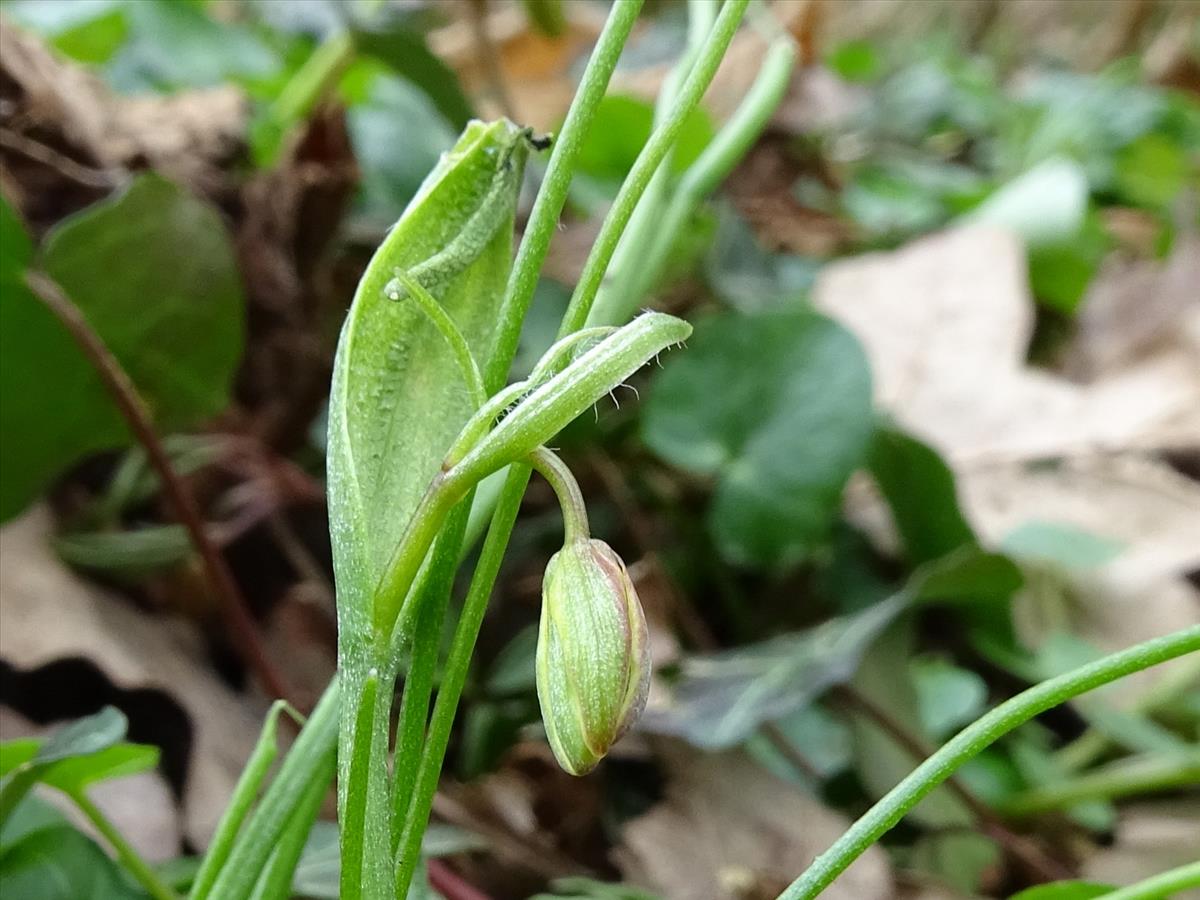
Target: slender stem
1137	775
543	219
1031	856
459	348
137	416
434	592
305	89
648	161
974	738
1160	886
566	488
127	856
701	179
455	675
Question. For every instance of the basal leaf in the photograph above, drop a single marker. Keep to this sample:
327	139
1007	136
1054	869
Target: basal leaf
777	407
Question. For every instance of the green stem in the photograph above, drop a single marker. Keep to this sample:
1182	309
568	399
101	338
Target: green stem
648	161
275	883
699	181
1138	775
974	738
254	773
437	315
566	488
436	585
551	197
1092	744
454	676
1160	886
127	856
304	764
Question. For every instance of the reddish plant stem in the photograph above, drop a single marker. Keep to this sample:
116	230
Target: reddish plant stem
131	406
450	884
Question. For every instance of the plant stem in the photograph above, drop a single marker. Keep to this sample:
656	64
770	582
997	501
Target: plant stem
1126	777
701	179
1160	886
543	219
974	738
455	675
566	488
454	339
127	856
647	164
1029	854
137	416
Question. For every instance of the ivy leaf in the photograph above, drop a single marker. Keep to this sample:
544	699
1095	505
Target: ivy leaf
60	863
151	245
777	408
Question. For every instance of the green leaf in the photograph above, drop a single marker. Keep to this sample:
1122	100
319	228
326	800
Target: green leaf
406	53
1062	545
59	863
128	554
960	860
745	275
398	136
823	739
1152	171
1045	205
1065	890
948	696
153	243
854	60
176	45
881	761
721	700
77	773
919	488
621	128
397	402
84	736
781	435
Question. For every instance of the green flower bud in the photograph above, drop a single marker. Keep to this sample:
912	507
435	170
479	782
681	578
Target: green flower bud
593	658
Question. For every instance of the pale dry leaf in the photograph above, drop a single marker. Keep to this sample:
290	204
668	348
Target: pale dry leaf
729	830
49	613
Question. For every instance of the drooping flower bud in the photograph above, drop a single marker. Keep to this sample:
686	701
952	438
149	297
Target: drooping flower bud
593	658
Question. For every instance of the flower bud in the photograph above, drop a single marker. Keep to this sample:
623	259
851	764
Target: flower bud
593	659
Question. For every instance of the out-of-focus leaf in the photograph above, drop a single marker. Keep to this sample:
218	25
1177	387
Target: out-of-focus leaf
1038	766
919	488
854	60
1152	171
781	436
59	863
948	696
1045	205
821	738
512	671
89	31
153	244
1064	890
126	553
748	277
883	678
1059	273
174	45
74	757
621	128
405	52
959	859
1062	545
547	16
722	699
398	136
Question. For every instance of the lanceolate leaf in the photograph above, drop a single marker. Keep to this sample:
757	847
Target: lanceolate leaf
396	403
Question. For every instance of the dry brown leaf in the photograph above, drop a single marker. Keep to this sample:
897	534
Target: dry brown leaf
729	830
49	613
946	322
